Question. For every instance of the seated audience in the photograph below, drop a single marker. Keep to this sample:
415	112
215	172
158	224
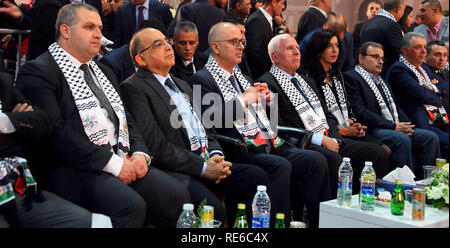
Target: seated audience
182	146
373	103
96	156
239	113
25	205
320	64
415	92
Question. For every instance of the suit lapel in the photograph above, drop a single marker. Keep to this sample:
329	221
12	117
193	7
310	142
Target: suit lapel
132	16
153	83
443	28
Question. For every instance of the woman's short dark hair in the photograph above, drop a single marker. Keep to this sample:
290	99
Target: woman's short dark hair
311	64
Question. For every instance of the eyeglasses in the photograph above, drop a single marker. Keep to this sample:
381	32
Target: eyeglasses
158	44
235	42
375	56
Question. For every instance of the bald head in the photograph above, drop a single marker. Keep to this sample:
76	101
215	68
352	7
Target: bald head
227	43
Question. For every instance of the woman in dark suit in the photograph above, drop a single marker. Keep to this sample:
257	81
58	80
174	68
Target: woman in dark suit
321	60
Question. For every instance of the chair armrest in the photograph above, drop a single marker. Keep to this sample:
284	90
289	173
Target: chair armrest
301	138
235	149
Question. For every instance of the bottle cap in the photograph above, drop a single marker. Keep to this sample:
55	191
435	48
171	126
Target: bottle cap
280	216
345	159
241	206
188	206
261	188
208	208
368	163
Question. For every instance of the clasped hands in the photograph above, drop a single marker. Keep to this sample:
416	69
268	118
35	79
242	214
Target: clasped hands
217	168
256	93
355	129
133	168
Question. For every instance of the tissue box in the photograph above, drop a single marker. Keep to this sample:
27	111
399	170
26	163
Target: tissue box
389	186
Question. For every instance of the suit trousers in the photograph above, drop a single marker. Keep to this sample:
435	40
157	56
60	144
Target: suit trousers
239	187
156	198
54	212
423	143
291	164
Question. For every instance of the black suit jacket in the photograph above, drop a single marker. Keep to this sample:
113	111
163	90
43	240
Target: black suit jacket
31	127
150	105
119	60
43	83
43	15
204	16
388	33
365	105
183	72
309	21
288	116
258	33
125	21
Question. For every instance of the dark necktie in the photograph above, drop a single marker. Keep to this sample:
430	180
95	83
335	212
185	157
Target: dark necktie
190	67
299	88
235	86
141	14
100	95
171	85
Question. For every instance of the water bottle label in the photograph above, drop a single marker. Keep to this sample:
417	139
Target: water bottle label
367	189
260	221
344	184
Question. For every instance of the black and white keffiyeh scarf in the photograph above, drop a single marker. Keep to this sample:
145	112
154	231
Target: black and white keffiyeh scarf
388	111
248	126
383	12
433	111
340	111
312	116
92	117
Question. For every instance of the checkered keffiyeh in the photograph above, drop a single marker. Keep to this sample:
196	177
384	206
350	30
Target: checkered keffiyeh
92	117
247	127
339	111
312	116
388	113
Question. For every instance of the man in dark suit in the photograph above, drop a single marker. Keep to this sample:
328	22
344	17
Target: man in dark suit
187	59
204	14
372	10
385	29
239	9
416	93
437	57
314	18
43	16
182	146
21	123
259	31
233	95
374	105
131	14
95	157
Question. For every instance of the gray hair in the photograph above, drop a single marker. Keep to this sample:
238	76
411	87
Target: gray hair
390	5
69	15
407	39
274	44
185	26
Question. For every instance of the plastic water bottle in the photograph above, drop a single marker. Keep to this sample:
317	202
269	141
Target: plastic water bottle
261	208
187	217
367	199
344	194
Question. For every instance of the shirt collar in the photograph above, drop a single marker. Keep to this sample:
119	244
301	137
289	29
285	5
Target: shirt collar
285	73
74	60
321	11
186	63
146	4
267	15
161	79
436	28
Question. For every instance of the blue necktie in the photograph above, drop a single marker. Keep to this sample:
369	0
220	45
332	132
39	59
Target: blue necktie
171	85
